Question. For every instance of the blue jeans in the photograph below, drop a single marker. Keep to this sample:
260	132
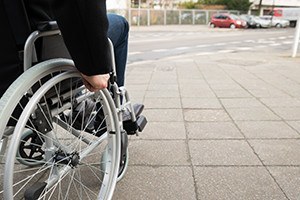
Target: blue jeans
118	33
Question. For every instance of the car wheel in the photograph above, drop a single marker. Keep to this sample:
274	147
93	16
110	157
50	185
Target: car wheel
212	25
278	26
258	26
232	26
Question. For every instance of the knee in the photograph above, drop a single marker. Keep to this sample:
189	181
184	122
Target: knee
118	22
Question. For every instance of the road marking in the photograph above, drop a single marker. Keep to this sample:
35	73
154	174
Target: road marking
287	42
202	45
150	40
134	53
226	51
275	44
282	38
219	44
160	50
249	41
261	46
182	48
205	53
265	41
244	48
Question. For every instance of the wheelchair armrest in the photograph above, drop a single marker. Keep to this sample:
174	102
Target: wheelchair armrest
47	26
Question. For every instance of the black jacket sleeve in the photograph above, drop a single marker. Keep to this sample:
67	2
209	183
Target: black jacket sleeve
84	25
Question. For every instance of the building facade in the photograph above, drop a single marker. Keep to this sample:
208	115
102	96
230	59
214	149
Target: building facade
268	5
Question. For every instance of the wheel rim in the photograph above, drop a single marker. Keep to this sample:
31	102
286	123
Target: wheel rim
63	149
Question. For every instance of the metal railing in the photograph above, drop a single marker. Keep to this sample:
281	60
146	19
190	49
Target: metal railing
147	17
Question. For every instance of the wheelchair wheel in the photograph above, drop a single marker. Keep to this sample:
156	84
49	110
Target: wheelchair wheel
124	160
68	167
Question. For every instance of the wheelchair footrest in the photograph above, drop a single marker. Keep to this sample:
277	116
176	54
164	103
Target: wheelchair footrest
141	121
33	192
132	127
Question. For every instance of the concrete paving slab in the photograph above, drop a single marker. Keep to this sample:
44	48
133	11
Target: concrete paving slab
163	87
288	113
156	183
222	152
163	131
163	115
201	103
164	94
295	125
256	114
197	151
288	179
281	102
162	102
193	115
199	93
236	183
138	87
233	93
212	130
158	152
241	103
277	152
267	129
268	93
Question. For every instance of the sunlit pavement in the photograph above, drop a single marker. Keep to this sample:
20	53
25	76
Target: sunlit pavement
220	127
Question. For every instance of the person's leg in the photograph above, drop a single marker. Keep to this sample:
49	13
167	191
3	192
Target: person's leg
118	34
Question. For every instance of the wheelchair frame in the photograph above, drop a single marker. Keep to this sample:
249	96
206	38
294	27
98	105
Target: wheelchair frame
112	98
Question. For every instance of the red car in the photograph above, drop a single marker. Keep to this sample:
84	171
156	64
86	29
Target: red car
227	21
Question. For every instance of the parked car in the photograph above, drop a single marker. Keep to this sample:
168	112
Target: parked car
227	20
260	22
276	22
290	14
250	21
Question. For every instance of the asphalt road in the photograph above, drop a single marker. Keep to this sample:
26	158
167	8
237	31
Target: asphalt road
153	43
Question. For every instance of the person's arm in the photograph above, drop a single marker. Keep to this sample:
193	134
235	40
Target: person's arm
84	24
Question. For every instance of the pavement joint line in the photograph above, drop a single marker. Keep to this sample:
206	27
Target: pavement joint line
187	141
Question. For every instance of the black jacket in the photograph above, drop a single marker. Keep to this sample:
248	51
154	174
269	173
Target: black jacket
83	24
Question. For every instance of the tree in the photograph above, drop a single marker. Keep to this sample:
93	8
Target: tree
241	5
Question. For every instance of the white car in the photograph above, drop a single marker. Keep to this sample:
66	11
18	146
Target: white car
261	23
276	22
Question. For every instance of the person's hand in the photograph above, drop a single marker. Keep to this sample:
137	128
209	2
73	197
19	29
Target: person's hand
96	82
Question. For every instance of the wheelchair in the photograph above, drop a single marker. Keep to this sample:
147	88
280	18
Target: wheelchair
49	147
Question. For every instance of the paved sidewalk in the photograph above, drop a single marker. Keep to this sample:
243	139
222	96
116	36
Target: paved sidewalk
225	127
